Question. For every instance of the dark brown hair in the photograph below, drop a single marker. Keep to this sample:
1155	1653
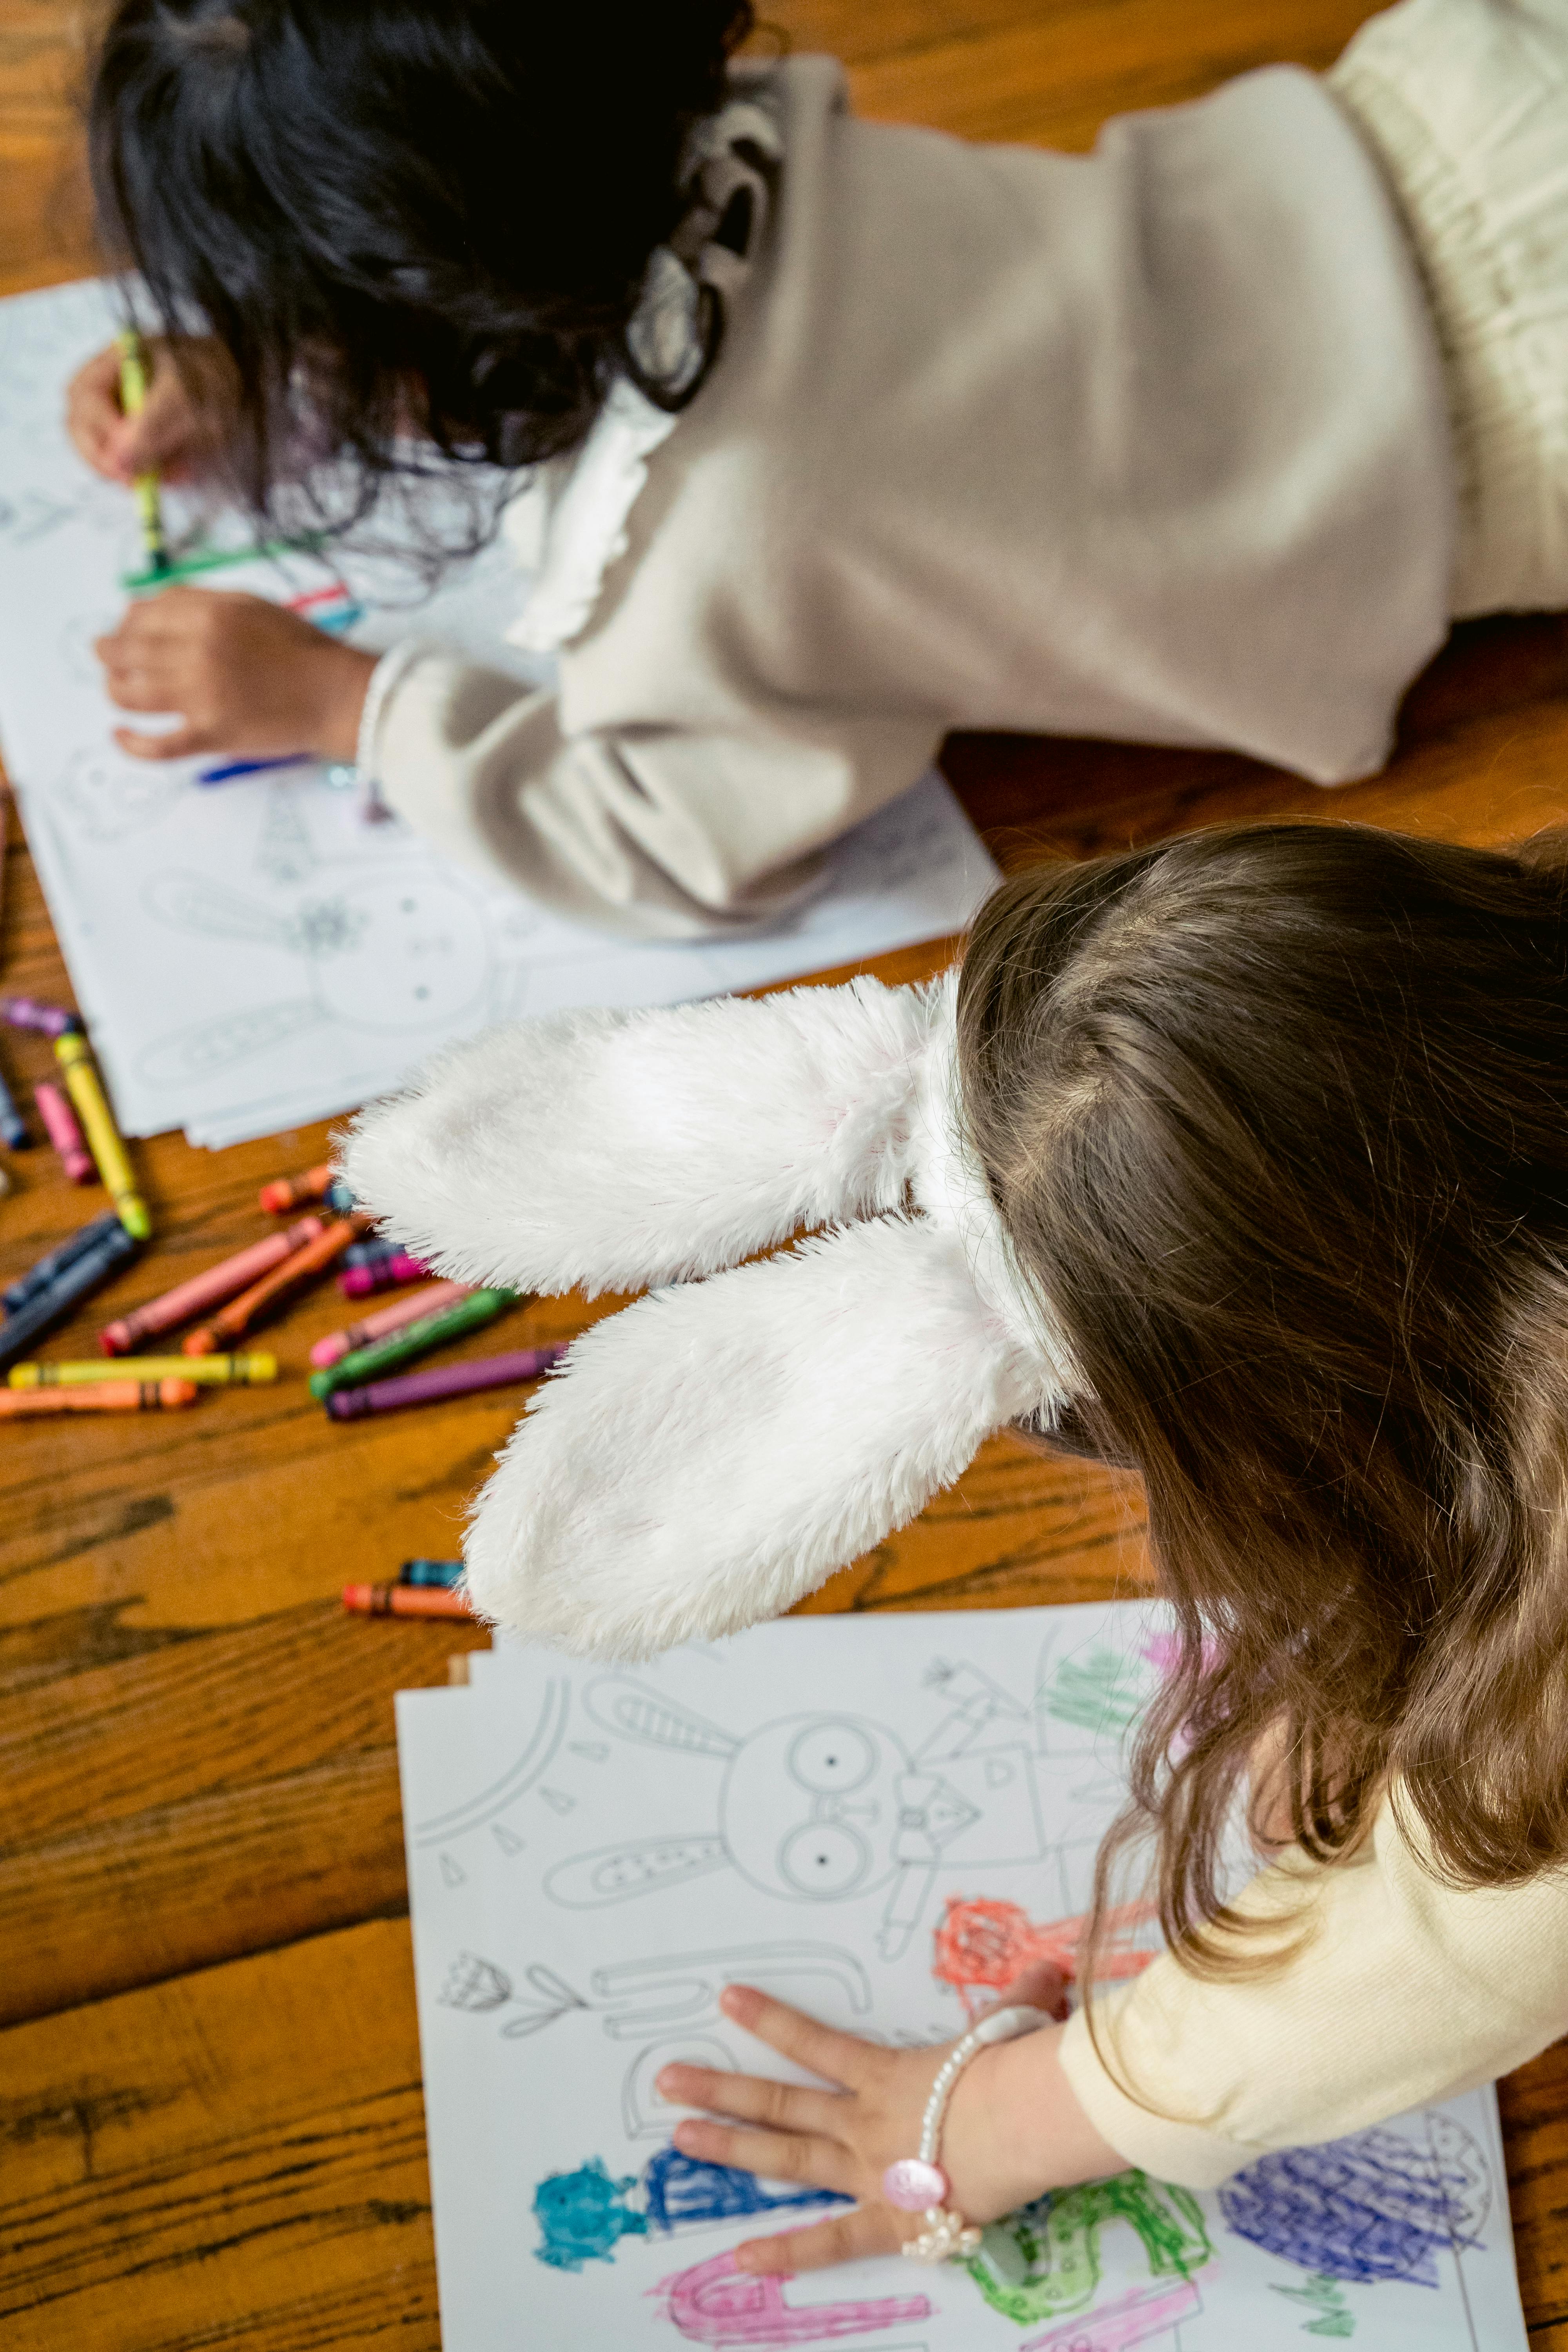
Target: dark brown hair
1277	1119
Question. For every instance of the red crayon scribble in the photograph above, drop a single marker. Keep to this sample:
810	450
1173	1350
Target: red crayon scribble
983	1944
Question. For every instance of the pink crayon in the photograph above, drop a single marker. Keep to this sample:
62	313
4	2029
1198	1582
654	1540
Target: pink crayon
60	1122
209	1289
451	1381
428	1301
363	1281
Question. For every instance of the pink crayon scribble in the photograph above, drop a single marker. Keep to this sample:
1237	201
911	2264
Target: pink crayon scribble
714	2303
1133	2318
983	1944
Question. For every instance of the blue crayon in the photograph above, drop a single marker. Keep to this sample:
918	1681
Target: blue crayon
48	1269
341	1197
13	1125
228	769
51	1305
442	1572
370	1252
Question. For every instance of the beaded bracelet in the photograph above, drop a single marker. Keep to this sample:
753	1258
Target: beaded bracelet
917	2184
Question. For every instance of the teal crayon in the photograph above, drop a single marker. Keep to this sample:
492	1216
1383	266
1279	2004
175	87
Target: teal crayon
363	1364
442	1572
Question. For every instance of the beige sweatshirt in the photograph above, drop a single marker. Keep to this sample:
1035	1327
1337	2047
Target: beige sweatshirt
1405	1991
1148	444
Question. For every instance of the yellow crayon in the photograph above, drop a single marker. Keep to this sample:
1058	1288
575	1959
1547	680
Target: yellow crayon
103	1138
211	1371
145	487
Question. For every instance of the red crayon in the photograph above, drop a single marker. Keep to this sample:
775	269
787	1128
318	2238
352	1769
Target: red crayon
204	1290
233	1321
404	1600
60	1124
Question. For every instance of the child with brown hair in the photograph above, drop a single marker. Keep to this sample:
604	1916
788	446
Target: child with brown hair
1243	1161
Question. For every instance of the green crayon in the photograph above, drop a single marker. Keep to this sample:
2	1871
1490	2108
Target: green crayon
469	1313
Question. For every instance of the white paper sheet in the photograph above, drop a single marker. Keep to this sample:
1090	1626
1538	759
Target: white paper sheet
593	1853
250	956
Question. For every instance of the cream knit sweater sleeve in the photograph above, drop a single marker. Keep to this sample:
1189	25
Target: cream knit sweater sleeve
1401	1989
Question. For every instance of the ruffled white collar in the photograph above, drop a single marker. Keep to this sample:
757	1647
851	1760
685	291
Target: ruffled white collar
570	523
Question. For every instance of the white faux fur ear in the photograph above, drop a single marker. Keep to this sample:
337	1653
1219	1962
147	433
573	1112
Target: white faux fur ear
616	1149
705	1457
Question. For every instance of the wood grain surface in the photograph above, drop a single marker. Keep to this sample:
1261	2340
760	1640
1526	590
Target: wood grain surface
210	2122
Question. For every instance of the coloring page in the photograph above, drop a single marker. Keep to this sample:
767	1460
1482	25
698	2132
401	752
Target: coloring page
254	954
880	1820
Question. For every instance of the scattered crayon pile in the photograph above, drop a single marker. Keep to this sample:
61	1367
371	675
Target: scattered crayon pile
357	1371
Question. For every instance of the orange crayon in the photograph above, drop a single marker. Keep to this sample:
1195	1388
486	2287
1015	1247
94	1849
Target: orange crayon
290	1191
234	1320
404	1600
97	1396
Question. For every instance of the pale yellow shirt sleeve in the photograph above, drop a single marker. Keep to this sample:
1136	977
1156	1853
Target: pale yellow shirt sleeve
1405	1991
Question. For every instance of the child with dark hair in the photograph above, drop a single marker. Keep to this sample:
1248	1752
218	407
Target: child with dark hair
839	434
1242	1161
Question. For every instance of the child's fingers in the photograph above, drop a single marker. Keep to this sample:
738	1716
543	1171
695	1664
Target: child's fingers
753	2099
837	2057
776	2156
183	744
93	418
842	2238
1041	1985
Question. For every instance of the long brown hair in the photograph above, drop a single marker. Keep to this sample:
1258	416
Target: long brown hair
1276	1118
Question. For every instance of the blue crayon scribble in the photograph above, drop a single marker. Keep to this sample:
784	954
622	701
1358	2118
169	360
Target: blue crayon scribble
1374	2206
583	2216
681	2189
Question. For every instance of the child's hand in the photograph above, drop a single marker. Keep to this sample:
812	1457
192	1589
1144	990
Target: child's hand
246	677
1012	2126
180	431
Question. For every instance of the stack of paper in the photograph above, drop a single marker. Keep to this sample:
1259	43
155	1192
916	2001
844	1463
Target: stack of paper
875	1821
252	955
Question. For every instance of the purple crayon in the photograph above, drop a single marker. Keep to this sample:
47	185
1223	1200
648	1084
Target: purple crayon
48	1020
381	1273
451	1381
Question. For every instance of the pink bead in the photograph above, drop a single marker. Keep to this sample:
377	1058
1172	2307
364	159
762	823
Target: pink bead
914	2185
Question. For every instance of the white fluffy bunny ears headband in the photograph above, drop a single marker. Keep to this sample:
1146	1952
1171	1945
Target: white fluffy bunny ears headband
706	1457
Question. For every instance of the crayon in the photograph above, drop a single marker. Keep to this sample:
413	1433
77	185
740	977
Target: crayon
102	1396
231	1322
211	1371
60	1122
13	1125
363	1364
380	1325
209	1289
145	487
214	558
291	1191
228	769
449	1381
404	1600
48	1268
91	1107
48	1020
51	1305
386	1274
373	1252
442	1572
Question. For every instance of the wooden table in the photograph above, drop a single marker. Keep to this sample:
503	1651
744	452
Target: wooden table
210	2110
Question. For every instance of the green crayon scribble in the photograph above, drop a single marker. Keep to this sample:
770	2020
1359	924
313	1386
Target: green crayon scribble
1326	2296
1104	1692
1044	2261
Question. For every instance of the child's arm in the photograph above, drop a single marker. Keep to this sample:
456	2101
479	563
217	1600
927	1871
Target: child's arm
1014	2127
245	676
